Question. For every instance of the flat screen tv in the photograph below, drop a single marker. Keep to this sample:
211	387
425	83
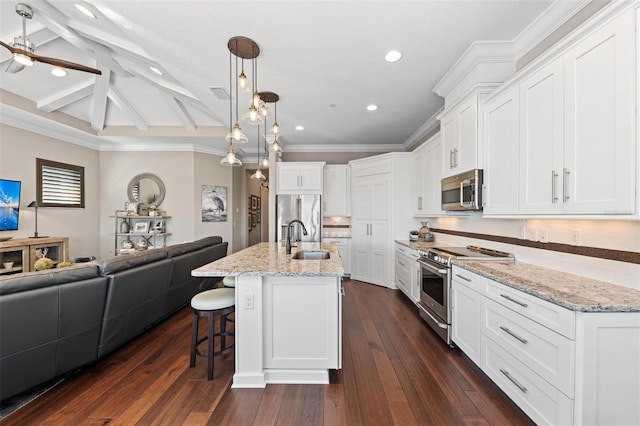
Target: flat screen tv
9	204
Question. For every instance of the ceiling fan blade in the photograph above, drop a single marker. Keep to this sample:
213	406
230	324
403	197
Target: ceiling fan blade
11	48
14	67
64	64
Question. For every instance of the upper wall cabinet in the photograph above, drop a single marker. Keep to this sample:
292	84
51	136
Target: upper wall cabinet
428	173
459	131
337	183
572	125
299	178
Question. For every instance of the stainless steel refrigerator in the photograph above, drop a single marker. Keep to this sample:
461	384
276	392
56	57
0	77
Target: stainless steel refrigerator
306	208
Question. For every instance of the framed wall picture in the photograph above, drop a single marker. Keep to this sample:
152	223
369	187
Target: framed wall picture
253	220
254	202
258	203
141	227
258	216
214	203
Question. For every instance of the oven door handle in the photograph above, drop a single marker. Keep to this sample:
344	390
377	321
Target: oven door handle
433	268
440	324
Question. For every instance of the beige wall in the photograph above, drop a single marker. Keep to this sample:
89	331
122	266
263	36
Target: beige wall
18	152
208	171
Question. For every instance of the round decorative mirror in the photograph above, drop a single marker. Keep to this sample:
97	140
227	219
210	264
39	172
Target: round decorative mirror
146	189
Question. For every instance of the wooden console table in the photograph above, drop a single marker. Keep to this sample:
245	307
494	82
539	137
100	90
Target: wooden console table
23	252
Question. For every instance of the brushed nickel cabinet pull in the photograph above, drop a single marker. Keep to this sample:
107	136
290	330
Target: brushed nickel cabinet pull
462	277
514	335
554	186
517	302
514	381
565	185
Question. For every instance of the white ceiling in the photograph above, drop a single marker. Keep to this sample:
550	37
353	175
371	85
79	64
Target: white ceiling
324	58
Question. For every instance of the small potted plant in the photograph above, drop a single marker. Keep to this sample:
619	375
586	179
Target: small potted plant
413	235
152	210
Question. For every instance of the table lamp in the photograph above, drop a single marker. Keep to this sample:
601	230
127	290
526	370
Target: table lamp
35	205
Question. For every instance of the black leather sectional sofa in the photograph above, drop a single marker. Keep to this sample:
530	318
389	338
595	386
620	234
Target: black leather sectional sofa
54	321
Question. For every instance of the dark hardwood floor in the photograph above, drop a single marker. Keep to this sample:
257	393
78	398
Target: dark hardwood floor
395	371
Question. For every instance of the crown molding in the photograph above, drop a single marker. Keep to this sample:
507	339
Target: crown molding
423	131
344	148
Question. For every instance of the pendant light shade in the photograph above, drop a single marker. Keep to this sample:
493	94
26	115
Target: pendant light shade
231	159
258	175
276	146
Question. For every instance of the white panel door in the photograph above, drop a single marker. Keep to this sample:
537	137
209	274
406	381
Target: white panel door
501	148
465	320
599	131
450	144
335	190
361	254
311	178
541	140
379	198
466	157
379	252
288	177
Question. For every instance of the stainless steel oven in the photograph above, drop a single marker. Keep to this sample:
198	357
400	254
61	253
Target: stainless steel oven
435	282
434	297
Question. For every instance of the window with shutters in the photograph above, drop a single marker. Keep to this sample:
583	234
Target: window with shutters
59	184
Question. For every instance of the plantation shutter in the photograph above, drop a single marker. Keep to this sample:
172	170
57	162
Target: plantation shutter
59	184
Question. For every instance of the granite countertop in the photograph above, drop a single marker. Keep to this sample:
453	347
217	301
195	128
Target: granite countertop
561	288
270	259
419	245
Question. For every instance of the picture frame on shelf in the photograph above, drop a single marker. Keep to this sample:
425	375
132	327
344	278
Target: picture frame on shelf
131	208
141	227
158	226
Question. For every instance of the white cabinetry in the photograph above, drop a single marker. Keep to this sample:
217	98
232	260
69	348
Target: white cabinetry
428	173
406	272
370	230
459	128
576	138
381	192
501	150
465	311
336	190
299	178
344	248
302	323
559	366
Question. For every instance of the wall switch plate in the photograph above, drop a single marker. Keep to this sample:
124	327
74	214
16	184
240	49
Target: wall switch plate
576	237
248	300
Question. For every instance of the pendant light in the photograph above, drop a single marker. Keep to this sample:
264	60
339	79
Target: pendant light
275	129
265	157
258	174
243	84
256	114
270	97
245	48
231	159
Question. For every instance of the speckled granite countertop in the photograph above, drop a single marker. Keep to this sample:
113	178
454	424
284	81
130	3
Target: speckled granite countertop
271	259
419	245
563	289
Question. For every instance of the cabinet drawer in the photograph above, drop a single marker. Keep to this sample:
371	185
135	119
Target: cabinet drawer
552	316
468	279
403	263
542	402
406	251
547	353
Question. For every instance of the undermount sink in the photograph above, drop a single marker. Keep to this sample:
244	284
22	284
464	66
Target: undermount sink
311	255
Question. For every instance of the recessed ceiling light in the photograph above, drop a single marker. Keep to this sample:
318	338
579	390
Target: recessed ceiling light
58	72
299	127
86	11
393	56
156	70
372	107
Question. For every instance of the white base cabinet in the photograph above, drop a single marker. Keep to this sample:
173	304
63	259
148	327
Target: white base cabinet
407	270
344	248
559	366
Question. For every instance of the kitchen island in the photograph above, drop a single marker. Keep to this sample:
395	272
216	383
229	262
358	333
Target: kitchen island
288	319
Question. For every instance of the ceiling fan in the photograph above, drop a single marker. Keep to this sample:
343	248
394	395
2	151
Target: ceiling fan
22	49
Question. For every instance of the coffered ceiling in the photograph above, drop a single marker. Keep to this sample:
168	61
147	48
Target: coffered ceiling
325	59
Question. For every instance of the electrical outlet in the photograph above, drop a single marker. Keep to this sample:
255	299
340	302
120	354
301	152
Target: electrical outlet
576	237
248	300
543	235
532	234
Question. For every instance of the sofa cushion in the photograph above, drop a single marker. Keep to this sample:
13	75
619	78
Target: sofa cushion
32	280
115	264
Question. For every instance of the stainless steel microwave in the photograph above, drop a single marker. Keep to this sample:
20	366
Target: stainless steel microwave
462	191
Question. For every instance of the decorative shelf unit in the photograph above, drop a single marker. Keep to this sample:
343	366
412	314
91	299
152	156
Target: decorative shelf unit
23	252
151	229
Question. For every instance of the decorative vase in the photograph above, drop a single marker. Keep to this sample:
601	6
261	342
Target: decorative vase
124	227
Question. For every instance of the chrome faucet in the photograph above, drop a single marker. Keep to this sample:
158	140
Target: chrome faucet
304	232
